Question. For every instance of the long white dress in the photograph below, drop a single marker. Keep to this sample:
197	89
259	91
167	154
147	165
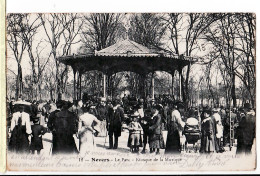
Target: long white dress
88	124
219	133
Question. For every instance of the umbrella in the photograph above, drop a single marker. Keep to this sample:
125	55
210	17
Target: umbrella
27	107
22	103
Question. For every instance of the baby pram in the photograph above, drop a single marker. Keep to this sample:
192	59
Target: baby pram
193	134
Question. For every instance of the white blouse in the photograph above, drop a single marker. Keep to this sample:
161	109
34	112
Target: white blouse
141	112
176	116
86	120
25	121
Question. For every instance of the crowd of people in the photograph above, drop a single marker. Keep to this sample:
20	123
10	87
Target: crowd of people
207	129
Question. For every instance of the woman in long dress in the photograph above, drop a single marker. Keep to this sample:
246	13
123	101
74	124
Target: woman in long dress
155	131
207	132
88	126
175	124
20	132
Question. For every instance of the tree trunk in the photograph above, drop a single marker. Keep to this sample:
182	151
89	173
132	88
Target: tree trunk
40	91
233	91
19	82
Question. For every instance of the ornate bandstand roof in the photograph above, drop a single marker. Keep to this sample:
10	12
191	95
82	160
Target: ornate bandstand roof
126	55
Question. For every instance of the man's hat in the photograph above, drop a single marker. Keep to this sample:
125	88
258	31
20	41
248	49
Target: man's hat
241	109
180	105
116	101
59	103
103	99
248	106
141	101
36	119
66	104
215	110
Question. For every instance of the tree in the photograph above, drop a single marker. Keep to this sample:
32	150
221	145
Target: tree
15	29
64	30
147	29
246	49
234	45
190	27
101	30
32	25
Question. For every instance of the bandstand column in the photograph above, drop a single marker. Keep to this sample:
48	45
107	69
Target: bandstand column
172	83
80	76
180	85
74	84
78	85
104	85
153	85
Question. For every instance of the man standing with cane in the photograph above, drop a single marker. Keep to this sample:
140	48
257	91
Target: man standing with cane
114	123
102	115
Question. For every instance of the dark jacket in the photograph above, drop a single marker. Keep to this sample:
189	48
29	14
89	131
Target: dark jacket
50	124
36	141
63	125
102	112
246	128
114	121
156	125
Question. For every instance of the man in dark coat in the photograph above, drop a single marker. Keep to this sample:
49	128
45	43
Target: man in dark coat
114	123
102	111
246	130
63	124
145	125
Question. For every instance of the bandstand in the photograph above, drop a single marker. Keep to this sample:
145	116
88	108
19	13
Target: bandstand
125	55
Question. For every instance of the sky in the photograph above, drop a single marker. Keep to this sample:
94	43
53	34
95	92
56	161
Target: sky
197	69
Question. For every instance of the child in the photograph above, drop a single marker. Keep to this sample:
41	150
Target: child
36	140
135	129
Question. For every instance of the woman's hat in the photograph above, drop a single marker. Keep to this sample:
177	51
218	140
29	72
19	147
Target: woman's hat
135	114
157	106
191	112
207	110
36	119
215	110
141	101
